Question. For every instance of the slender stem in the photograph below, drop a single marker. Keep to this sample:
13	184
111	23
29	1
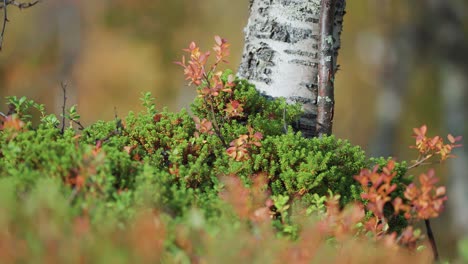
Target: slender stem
210	103
215	123
5	17
80	126
430	234
64	89
432	240
419	162
5	20
18	4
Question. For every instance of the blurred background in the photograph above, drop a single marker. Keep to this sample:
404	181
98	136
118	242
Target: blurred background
403	64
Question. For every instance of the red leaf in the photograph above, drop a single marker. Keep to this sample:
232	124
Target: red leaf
157	118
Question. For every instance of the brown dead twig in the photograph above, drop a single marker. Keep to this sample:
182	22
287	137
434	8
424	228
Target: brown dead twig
21	5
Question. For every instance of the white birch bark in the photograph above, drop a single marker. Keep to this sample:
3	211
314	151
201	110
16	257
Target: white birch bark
281	52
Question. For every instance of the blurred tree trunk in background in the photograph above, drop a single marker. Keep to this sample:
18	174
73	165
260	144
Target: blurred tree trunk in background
451	47
399	46
68	24
282	50
47	45
150	20
435	35
60	27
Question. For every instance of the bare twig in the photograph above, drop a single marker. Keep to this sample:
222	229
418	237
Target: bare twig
432	240
64	89
5	14
430	234
5	20
419	162
285	126
119	129
19	4
215	122
78	123
73	195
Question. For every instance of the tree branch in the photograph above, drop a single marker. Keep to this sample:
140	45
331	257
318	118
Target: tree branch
18	4
325	94
325	97
5	14
5	20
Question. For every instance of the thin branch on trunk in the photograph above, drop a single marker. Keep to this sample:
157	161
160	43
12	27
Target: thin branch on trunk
19	4
326	71
4	6
5	20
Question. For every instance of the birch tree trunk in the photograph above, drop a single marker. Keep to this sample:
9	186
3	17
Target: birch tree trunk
282	52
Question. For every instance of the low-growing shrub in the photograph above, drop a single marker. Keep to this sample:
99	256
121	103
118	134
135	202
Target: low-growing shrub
230	181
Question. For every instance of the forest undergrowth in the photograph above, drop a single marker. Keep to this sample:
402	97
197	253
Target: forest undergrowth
228	181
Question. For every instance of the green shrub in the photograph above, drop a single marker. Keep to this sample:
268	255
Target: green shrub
158	157
165	186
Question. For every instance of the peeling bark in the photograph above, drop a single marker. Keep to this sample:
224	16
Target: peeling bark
281	52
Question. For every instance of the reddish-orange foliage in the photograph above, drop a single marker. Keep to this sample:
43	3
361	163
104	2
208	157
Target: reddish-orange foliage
422	202
195	69
203	126
210	85
221	49
427	200
147	237
248	203
239	149
11	122
215	85
234	108
429	147
377	187
341	224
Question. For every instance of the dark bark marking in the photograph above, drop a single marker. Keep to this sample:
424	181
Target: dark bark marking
281	32
259	58
302	100
313	88
307	54
307	63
